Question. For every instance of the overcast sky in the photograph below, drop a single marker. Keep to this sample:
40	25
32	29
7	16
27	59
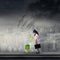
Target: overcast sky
44	6
12	10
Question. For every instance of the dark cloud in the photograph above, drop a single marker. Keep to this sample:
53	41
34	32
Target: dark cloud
45	8
8	6
37	8
11	4
14	4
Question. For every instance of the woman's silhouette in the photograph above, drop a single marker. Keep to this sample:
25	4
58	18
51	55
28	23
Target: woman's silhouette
37	41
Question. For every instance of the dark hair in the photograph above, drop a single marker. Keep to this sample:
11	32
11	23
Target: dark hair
34	31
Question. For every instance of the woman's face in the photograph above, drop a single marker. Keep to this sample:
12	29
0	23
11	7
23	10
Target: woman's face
34	33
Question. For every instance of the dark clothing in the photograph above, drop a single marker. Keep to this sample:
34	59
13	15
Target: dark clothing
37	46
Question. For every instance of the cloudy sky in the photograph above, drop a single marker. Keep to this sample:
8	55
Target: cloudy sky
29	13
38	8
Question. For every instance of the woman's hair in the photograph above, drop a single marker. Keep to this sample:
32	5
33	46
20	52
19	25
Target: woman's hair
34	31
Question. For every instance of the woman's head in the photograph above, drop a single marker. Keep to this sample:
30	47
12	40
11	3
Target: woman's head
34	31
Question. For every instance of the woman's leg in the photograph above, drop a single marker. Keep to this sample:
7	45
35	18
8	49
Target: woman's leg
38	50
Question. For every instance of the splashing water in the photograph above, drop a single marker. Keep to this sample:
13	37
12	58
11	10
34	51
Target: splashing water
14	39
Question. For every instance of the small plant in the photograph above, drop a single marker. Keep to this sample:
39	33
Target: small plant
27	47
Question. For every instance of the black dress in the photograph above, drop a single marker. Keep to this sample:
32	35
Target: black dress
37	46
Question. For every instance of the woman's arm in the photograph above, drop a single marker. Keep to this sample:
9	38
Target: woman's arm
36	41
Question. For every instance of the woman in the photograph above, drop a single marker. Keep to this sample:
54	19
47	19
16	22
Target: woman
37	41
